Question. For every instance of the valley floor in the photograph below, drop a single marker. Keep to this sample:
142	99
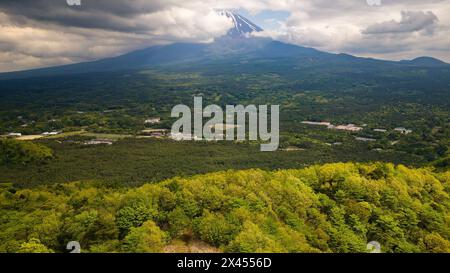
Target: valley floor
132	161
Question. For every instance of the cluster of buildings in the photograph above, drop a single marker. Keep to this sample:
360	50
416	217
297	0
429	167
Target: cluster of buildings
152	121
320	123
158	133
403	130
51	133
348	127
354	128
14	135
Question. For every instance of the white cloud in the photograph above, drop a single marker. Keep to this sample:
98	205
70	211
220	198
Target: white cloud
102	28
30	38
395	30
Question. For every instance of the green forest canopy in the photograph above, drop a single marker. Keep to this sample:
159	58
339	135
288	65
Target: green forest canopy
323	208
21	152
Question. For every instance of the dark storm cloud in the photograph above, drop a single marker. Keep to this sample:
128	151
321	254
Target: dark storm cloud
36	33
105	14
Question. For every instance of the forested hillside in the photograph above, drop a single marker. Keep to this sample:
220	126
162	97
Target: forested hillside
323	208
20	152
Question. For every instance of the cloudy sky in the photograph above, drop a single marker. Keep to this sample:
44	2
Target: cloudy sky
39	33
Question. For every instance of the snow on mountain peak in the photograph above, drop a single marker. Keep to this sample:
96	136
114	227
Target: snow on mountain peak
242	26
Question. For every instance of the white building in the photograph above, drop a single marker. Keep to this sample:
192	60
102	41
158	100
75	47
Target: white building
181	136
348	127
152	121
403	130
322	123
50	133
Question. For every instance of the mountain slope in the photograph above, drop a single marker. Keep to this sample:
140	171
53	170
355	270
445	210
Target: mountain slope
236	47
425	61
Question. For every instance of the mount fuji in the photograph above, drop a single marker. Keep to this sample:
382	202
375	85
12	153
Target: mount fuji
236	52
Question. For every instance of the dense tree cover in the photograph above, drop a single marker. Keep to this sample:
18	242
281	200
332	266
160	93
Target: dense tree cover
323	208
134	161
119	102
442	163
21	152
